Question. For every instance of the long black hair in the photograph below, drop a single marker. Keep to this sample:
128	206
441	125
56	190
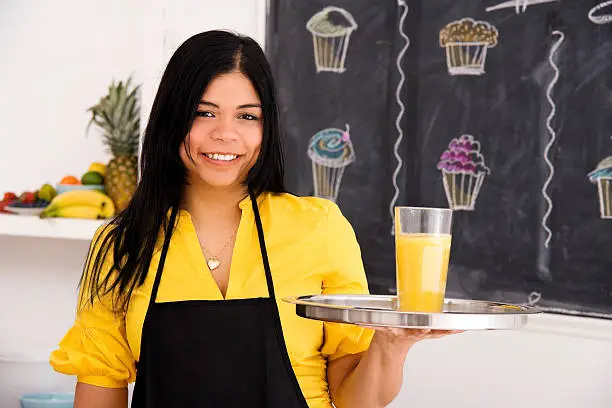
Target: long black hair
132	235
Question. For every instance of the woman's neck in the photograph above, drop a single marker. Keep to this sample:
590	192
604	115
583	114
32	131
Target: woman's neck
213	207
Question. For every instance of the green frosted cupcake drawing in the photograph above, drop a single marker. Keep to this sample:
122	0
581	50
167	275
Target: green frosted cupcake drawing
331	30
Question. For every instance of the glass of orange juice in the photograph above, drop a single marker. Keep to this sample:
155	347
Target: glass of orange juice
422	252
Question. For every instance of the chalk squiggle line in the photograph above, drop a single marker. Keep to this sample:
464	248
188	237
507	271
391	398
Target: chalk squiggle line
400	114
552	133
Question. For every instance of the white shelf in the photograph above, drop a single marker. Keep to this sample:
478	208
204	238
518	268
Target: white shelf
32	226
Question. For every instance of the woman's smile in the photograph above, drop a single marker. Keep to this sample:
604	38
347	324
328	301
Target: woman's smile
222	159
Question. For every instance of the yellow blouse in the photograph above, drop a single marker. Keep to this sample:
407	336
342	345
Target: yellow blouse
312	250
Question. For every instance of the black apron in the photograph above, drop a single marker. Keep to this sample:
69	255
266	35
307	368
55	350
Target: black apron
225	353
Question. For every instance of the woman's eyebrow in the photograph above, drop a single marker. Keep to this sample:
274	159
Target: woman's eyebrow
246	105
250	105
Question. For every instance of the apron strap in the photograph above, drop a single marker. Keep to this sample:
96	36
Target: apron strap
280	338
262	247
162	259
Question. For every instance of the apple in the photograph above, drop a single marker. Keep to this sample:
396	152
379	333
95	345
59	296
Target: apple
9	197
27	197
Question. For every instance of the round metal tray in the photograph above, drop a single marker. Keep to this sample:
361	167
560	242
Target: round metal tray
379	310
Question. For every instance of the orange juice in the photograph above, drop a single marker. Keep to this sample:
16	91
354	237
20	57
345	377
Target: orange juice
422	265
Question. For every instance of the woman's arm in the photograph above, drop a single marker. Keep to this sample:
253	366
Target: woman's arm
95	349
374	378
90	396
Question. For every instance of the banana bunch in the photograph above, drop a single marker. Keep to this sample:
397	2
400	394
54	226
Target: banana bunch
89	204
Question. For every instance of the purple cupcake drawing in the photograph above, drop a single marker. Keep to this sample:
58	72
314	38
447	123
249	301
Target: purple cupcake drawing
463	171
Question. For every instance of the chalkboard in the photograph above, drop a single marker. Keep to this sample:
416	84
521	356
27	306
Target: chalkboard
517	96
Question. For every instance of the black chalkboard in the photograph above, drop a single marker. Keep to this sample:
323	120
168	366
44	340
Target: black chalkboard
537	97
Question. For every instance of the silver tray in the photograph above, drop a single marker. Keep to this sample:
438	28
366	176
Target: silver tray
379	310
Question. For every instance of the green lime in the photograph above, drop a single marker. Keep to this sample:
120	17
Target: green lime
92	177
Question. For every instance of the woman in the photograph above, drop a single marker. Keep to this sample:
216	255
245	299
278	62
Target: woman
181	293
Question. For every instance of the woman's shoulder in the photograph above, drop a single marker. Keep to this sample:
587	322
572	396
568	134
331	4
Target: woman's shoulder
293	205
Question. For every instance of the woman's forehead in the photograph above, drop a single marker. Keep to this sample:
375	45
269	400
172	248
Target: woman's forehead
231	89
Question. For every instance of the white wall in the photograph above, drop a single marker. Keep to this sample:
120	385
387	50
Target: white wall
57	59
555	362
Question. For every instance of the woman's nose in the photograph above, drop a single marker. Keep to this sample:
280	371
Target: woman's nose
225	130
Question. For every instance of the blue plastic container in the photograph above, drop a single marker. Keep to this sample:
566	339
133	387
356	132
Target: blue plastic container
47	400
62	188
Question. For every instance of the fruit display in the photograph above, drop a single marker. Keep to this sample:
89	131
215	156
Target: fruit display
117	114
90	204
72	197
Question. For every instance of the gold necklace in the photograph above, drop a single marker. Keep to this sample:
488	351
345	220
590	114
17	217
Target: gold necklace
213	261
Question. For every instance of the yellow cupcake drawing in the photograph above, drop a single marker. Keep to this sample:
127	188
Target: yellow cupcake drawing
466	42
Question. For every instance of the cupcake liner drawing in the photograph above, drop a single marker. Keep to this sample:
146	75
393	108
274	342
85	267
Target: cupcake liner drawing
330	150
602	176
466	42
331	30
463	172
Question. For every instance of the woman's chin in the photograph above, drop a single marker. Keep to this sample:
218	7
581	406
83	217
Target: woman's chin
220	182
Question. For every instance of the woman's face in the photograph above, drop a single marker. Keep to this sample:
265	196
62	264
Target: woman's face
225	138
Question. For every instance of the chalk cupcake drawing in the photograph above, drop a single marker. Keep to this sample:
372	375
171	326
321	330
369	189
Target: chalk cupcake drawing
331	30
602	176
463	172
520	6
330	150
466	42
596	16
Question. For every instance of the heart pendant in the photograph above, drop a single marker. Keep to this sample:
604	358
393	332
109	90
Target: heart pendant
213	263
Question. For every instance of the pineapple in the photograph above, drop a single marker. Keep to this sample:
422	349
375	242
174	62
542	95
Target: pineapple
118	115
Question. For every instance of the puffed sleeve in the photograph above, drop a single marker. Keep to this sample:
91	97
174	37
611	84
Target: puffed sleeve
95	348
346	276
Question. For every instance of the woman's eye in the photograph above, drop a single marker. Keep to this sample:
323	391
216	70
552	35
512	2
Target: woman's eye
205	114
248	116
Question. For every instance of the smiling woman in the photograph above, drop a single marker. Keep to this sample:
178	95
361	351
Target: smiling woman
180	291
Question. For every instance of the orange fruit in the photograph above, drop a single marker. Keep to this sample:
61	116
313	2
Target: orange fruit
70	180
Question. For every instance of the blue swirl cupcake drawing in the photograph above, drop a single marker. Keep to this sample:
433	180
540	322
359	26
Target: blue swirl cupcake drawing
602	176
330	150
